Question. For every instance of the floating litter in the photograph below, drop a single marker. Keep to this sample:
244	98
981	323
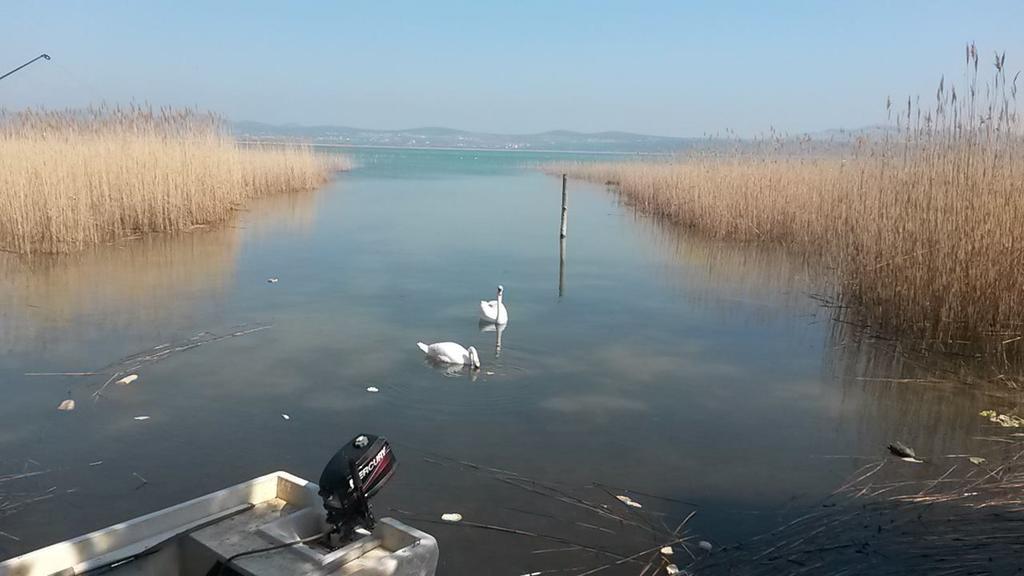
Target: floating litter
1004	420
373	389
96	463
128	379
977	460
667	551
286	417
140	418
67	405
451	517
271	280
629	502
489	373
705	546
671	569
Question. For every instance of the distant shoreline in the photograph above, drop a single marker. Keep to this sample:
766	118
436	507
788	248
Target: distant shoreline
455	149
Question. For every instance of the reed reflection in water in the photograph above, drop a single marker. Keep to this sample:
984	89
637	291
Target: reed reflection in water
140	281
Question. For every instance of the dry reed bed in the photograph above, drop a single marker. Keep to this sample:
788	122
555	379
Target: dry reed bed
69	179
922	228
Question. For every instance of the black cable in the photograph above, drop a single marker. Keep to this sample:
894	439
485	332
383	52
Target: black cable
232	558
154	548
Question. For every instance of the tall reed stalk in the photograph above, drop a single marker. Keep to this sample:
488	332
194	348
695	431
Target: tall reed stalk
77	177
924	227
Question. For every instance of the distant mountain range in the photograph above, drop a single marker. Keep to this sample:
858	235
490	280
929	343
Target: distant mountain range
555	140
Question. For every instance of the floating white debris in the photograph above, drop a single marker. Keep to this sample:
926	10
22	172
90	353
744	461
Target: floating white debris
914	460
976	460
705	546
96	463
373	389
667	551
67	405
671	569
629	502
271	280
127	379
286	417
489	373
140	418
451	517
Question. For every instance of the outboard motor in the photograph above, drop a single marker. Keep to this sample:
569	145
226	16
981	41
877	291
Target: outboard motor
354	475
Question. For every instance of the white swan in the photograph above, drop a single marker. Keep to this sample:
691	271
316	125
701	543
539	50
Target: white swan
451	353
494	310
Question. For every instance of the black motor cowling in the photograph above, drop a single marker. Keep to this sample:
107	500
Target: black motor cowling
356	472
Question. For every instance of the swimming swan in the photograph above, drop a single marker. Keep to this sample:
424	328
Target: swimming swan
451	353
494	310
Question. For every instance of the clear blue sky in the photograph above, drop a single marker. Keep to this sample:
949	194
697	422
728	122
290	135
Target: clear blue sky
672	68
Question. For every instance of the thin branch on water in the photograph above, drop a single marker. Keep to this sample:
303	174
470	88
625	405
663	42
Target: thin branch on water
10	477
61	373
631	558
518	532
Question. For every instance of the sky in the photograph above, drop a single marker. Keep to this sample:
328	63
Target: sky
665	68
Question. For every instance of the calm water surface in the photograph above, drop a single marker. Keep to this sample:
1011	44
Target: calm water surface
694	371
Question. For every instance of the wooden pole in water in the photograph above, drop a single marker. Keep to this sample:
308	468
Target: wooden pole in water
565	209
561	240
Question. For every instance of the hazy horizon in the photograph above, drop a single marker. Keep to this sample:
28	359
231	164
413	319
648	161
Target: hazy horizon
657	69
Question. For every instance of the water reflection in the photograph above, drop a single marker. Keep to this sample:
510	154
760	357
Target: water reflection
139	281
561	267
283	213
497	329
133	282
720	274
926	399
887	389
451	370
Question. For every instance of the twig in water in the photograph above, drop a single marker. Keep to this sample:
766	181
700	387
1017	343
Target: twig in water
855	481
517	532
96	395
61	373
631	558
22	475
933	484
647	494
547	550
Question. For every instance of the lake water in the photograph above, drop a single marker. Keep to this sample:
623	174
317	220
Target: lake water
699	372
